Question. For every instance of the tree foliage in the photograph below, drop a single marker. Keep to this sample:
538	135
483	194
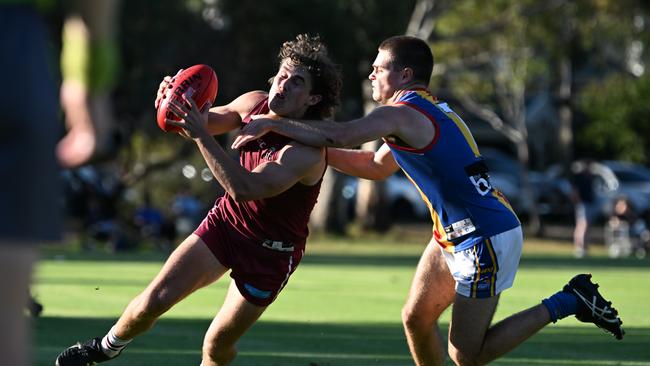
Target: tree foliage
618	116
240	39
496	59
493	59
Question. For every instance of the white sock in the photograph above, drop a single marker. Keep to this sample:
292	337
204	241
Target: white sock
111	345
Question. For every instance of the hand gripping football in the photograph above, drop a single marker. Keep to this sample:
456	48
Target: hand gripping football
198	82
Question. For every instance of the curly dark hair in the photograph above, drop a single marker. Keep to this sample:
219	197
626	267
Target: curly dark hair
309	52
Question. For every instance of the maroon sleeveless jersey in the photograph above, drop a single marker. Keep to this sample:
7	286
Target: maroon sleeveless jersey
282	218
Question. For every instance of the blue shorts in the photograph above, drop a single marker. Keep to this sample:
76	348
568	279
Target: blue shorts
489	267
586	211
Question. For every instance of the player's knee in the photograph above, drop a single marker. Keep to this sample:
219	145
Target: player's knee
460	359
418	314
217	355
415	319
463	358
151	305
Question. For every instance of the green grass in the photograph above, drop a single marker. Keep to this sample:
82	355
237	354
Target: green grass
342	307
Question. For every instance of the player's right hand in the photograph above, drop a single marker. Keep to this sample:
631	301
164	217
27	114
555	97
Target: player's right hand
165	84
193	120
260	125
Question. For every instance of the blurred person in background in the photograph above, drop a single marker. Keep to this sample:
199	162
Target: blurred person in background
583	196
89	65
29	130
626	231
148	219
188	211
28	134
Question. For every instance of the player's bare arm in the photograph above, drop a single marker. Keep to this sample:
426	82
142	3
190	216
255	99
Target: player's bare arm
296	163
322	133
365	164
223	119
408	124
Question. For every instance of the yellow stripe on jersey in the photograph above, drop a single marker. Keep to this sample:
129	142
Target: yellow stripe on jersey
499	196
437	223
495	266
477	275
426	95
462	127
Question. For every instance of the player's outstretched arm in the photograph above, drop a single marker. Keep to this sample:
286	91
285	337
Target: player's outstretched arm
383	121
365	164
223	119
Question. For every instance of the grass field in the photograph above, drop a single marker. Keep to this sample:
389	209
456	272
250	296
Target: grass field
342	307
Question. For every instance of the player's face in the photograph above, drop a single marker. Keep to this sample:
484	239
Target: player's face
384	79
290	91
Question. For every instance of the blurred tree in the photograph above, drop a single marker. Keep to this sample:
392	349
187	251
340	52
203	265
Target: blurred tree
496	59
493	59
619	116
352	30
158	39
240	39
583	42
483	62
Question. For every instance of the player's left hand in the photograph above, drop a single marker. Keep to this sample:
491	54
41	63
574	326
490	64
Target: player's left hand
259	125
193	120
165	84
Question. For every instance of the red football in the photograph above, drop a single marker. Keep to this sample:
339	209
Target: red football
199	82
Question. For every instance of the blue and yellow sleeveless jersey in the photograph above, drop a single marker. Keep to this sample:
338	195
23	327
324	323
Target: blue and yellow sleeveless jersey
452	178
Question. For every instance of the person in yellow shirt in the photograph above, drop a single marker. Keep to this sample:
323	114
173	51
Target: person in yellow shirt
89	64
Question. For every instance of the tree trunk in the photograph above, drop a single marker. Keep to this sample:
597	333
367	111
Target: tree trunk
371	206
331	212
565	130
565	87
534	222
421	23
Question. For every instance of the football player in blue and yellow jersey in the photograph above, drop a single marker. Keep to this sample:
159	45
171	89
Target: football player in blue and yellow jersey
477	238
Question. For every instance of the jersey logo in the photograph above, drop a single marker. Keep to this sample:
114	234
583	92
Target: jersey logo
478	175
270	151
481	183
268	154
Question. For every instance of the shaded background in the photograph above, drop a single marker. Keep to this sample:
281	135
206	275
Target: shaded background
540	84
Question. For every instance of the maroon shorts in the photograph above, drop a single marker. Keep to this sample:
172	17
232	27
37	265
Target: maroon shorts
260	273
